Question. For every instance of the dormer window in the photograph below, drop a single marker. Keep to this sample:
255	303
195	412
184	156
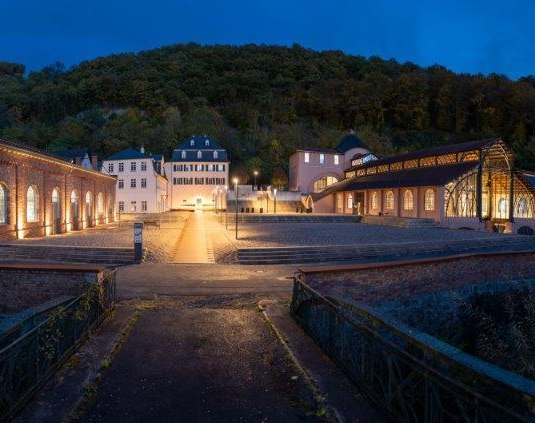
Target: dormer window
191	142
206	143
183	154
199	154
215	154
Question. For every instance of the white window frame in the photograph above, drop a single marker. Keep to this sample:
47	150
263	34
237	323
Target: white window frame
307	157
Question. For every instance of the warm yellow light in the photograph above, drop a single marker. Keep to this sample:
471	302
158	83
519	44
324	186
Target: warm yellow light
255	172
235	180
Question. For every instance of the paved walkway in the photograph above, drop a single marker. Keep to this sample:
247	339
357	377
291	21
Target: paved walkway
195	245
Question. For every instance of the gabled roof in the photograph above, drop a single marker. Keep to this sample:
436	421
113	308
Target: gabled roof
128	154
350	141
71	154
414	177
191	147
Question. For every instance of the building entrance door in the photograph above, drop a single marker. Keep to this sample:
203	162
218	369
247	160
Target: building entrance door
56	213
359	203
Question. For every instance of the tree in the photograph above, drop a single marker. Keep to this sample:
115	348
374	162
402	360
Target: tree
279	178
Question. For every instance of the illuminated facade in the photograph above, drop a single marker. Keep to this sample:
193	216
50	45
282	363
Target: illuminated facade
473	185
43	194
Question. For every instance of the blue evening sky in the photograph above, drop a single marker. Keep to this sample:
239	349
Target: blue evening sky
466	36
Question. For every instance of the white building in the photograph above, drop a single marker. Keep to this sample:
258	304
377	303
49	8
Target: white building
198	174
141	184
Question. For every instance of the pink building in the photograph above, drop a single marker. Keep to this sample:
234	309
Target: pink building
313	170
198	173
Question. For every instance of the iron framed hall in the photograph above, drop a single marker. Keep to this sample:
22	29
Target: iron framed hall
470	185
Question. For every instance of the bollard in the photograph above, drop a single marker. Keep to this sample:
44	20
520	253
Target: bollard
138	241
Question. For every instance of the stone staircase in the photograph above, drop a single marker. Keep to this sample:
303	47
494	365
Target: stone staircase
295	217
381	252
399	222
16	253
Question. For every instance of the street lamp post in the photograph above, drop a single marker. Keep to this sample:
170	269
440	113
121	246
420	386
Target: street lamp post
267	201
235	180
275	201
255	175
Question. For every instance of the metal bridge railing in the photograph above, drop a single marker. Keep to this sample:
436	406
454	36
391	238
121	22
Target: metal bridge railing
27	362
411	376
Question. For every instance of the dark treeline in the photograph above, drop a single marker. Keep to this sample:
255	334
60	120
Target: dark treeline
261	102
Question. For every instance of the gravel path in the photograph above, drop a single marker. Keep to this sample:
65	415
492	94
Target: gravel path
160	243
311	234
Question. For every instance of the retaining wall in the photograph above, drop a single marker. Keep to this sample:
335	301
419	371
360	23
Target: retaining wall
24	285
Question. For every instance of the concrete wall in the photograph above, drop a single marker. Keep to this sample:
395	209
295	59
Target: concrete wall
372	283
20	169
24	286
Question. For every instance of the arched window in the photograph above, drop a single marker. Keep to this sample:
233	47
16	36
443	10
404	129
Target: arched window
100	204
215	155
502	208
74	196
199	154
389	200
3	204
32	204
408	201
350	201
429	200
375	201
88	203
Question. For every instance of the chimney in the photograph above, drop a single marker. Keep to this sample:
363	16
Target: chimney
78	160
94	162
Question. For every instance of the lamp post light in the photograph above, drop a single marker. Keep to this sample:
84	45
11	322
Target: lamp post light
275	201
235	180
255	175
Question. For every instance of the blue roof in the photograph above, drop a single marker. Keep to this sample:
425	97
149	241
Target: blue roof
72	153
128	153
199	143
157	157
350	141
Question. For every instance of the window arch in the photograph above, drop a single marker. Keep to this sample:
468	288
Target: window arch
429	200
32	204
389	200
375	201
408	200
74	196
502	208
4	204
350	201
88	203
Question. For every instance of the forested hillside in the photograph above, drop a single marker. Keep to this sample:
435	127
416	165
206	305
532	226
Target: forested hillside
261	102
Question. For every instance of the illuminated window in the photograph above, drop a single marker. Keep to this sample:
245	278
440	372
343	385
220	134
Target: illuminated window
336	159
322	158
3	204
199	154
502	207
32	204
206	143
429	200
215	154
307	157
324	182
184	154
408	203
375	201
389	200
100	204
350	201
339	201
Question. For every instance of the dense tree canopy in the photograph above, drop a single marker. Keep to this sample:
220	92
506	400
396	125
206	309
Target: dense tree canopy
261	102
